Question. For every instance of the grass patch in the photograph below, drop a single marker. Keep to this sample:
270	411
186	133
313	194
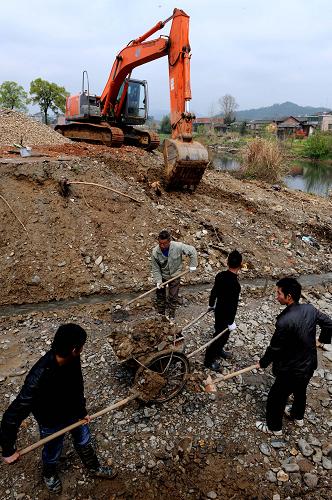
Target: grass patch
263	159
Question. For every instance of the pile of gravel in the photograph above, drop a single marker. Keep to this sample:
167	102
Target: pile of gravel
16	127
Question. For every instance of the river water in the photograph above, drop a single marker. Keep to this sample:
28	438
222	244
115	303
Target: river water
311	177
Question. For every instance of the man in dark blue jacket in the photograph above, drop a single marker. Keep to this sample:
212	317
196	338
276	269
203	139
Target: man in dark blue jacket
292	352
53	392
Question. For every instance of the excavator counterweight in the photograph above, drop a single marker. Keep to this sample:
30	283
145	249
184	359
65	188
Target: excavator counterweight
116	116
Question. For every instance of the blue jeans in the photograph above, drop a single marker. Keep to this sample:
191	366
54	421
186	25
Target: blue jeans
52	450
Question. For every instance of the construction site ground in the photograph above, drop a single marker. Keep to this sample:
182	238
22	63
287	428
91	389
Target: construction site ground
95	243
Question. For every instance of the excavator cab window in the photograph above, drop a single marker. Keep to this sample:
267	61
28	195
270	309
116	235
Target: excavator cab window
136	106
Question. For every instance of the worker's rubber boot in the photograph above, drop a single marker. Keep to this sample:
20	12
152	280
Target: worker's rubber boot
51	479
89	458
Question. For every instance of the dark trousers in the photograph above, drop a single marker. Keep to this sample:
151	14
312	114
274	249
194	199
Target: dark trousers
173	295
52	450
215	349
285	385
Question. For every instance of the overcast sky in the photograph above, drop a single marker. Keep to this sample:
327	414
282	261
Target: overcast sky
260	51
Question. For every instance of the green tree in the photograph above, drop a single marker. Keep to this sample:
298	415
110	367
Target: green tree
13	96
48	96
165	125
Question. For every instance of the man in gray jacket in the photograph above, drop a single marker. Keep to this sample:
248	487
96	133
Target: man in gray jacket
166	263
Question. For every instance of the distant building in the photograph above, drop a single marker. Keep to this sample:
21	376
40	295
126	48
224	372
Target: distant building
215	124
326	124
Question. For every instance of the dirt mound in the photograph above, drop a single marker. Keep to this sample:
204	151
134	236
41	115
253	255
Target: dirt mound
142	337
19	128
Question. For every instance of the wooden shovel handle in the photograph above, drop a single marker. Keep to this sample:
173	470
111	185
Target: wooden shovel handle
195	320
41	442
234	374
156	288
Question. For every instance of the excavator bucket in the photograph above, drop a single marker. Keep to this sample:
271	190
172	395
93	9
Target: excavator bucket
185	163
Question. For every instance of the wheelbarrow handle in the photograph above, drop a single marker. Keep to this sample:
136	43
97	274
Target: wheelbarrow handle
156	288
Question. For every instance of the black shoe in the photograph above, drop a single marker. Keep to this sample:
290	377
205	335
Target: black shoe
215	366
225	354
53	483
104	472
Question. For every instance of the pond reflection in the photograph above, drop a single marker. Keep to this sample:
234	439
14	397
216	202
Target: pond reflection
311	177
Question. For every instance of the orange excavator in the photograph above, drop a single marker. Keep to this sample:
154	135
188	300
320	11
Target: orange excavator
117	116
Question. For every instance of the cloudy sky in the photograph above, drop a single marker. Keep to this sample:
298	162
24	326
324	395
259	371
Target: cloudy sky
260	51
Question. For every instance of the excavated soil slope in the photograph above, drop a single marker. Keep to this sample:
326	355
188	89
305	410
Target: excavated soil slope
198	445
96	241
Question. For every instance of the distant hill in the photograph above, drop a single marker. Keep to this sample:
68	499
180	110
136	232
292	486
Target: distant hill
277	111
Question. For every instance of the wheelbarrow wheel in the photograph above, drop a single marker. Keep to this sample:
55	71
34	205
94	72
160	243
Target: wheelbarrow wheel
174	367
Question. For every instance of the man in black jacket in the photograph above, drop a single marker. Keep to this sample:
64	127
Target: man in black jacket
53	392
224	299
292	352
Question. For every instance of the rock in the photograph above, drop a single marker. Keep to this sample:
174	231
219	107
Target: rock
305	448
98	260
305	465
317	457
282	476
35	280
271	476
310	480
265	449
276	496
327	450
292	467
275	443
326	463
212	494
328	355
313	440
62	263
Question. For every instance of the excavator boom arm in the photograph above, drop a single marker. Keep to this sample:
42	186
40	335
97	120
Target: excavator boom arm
139	52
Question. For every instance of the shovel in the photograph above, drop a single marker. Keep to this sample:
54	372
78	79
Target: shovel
212	383
122	314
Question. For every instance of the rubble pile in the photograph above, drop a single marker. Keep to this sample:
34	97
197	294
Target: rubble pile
139	338
198	445
18	128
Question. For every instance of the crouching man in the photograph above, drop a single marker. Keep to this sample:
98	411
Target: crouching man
53	392
292	352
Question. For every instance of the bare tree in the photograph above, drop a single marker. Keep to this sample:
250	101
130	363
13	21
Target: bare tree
228	105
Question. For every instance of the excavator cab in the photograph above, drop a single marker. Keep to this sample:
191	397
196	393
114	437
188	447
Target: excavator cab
136	104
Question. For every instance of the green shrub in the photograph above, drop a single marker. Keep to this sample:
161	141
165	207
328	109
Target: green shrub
318	145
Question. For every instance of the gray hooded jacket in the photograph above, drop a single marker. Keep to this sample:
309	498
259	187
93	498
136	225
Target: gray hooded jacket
164	268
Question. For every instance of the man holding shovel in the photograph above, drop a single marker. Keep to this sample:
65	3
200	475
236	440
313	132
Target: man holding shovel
293	354
224	299
166	262
53	392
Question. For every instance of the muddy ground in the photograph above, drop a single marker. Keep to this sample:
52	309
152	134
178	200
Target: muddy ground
93	242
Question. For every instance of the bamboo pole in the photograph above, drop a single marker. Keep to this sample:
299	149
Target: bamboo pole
41	442
105	187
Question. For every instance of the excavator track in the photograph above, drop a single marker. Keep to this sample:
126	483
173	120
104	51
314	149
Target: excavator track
148	140
144	139
93	133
